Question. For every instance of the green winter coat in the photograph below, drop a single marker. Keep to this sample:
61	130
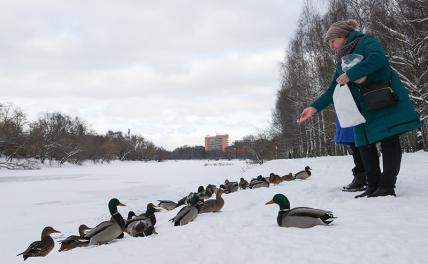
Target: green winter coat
383	123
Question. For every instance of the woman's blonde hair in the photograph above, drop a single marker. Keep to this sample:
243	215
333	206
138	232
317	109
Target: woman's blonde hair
341	29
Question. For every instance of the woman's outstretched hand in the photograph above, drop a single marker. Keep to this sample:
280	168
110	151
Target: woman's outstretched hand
306	113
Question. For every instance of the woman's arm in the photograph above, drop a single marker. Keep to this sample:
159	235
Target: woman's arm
374	60
322	102
326	98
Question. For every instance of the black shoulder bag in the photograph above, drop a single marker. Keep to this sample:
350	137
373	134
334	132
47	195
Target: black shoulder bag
378	94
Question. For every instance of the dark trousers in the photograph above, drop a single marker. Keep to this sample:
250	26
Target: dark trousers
358	162
391	156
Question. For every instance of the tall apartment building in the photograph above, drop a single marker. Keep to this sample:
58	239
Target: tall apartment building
217	142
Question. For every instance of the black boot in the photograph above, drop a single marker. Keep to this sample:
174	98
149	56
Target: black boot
381	191
359	183
370	159
367	193
348	186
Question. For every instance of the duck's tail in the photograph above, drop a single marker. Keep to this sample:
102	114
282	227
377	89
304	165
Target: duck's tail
24	255
328	218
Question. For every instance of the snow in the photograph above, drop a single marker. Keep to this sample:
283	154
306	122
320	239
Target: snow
370	230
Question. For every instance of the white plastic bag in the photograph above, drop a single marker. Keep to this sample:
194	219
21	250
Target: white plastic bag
346	109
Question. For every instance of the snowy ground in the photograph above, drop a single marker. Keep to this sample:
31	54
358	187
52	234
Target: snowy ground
377	230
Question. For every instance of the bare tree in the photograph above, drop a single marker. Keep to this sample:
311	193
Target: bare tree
401	26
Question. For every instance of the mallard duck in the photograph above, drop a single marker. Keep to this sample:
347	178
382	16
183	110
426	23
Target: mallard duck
139	226
258	178
288	177
134	226
185	200
108	230
304	174
188	213
150	213
243	184
167	204
255	179
142	225
212	205
141	229
303	217
211	188
259	182
275	179
230	187
75	241
203	193
42	247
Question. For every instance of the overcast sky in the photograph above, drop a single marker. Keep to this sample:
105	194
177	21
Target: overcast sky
171	71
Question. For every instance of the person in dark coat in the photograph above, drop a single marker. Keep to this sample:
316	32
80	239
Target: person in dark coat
345	136
382	125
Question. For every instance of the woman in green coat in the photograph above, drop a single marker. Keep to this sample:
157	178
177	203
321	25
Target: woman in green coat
382	125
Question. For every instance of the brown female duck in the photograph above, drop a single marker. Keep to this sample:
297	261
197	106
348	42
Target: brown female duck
274	178
243	184
42	247
288	177
75	241
213	205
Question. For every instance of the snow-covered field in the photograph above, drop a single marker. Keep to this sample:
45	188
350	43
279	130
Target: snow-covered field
371	230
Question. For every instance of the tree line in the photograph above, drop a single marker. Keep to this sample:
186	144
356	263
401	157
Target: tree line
56	137
61	138
402	28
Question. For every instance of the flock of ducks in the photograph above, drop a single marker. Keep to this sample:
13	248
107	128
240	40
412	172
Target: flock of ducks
194	204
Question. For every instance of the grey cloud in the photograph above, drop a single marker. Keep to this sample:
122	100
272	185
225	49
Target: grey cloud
166	62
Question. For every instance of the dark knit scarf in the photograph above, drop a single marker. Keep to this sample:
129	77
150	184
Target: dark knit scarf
346	49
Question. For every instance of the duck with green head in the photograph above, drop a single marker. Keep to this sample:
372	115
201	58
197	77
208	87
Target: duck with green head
108	230
203	194
188	213
138	226
185	200
260	181
142	225
211	188
304	174
302	217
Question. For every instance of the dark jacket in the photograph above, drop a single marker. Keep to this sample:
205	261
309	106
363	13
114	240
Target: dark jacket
383	123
